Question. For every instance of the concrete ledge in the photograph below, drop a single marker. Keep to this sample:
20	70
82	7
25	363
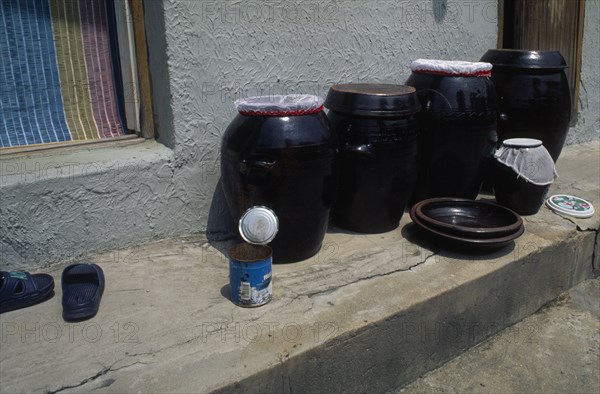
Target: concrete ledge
368	313
71	203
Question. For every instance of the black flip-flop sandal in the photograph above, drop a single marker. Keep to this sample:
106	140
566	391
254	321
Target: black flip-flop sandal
82	288
20	289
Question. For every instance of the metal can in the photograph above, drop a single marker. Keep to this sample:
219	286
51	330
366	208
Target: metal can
250	274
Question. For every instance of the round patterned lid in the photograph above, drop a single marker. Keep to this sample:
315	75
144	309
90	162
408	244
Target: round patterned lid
570	205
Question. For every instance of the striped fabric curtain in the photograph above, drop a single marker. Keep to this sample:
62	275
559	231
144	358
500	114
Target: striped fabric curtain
57	72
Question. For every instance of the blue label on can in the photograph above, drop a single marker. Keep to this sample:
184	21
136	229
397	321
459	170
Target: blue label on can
250	274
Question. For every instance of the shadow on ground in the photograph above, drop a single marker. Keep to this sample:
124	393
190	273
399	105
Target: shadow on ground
412	233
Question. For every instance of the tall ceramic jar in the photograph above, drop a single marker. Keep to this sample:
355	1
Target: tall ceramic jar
458	126
378	129
280	152
533	94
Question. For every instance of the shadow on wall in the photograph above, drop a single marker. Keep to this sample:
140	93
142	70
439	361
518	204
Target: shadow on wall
221	230
439	10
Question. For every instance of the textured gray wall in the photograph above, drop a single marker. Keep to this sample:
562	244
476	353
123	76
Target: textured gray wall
204	55
588	121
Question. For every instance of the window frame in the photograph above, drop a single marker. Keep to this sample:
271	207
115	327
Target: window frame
147	125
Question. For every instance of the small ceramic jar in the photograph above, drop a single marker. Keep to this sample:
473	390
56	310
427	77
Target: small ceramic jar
522	173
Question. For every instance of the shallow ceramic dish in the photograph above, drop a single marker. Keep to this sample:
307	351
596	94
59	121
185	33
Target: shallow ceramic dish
466	243
469	218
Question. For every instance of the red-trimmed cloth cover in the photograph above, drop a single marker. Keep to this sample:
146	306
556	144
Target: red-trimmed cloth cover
278	105
452	68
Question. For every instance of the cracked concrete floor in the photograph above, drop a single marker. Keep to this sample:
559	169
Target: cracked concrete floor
556	350
166	324
166	312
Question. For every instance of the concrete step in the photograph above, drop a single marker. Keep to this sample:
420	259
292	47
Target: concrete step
556	350
368	313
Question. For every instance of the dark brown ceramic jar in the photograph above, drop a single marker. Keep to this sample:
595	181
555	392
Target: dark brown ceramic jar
378	129
458	127
284	159
533	94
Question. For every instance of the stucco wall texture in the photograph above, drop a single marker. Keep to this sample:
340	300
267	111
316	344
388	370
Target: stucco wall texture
204	54
588	121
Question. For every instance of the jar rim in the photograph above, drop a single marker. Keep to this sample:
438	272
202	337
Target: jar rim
280	105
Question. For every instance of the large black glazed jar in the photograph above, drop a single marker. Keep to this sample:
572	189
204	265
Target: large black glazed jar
378	128
280	152
533	94
458	127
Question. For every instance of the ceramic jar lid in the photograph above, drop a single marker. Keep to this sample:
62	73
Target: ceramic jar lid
570	206
373	99
258	225
522	58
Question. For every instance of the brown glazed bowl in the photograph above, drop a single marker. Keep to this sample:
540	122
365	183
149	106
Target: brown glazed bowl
466	243
468	218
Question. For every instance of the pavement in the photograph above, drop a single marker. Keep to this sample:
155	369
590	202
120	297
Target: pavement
369	313
556	350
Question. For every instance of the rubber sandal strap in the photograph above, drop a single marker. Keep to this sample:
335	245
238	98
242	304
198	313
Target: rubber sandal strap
20	289
11	282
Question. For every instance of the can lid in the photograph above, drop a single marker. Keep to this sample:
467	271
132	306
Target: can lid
570	205
258	225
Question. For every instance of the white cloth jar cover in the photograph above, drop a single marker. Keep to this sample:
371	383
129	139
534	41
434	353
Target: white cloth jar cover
452	67
529	159
278	105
